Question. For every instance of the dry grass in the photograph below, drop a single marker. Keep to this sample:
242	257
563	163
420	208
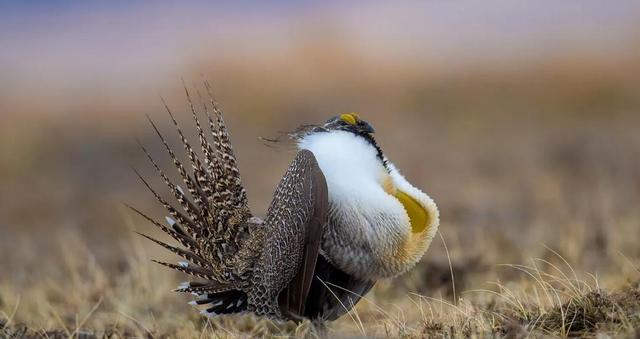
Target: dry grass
82	298
496	277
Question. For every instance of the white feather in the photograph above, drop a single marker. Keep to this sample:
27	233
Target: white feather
202	296
353	172
208	314
375	222
170	221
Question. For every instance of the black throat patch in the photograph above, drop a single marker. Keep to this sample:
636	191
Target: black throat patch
368	137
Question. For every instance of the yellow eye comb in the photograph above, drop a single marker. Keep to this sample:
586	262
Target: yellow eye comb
350	118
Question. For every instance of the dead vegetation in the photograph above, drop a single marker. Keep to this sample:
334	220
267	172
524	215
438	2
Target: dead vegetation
87	299
541	240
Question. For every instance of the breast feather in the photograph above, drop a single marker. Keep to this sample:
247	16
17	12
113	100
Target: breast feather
356	180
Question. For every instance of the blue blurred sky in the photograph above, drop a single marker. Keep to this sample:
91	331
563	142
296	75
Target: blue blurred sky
438	28
68	46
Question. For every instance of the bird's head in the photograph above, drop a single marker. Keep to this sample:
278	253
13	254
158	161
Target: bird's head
345	122
349	122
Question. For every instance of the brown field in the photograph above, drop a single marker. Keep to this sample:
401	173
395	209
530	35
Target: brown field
535	167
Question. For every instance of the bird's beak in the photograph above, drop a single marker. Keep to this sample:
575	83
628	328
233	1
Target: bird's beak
365	127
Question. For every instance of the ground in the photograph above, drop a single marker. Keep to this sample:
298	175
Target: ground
536	177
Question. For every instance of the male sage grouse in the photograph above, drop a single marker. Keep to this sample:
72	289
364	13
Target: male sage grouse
341	218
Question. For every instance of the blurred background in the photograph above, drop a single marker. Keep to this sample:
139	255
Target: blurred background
520	118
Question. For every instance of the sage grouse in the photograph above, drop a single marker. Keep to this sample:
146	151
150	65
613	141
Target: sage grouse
341	218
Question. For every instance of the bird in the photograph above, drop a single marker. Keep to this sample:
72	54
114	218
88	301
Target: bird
342	217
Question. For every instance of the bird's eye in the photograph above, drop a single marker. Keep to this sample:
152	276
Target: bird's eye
349	118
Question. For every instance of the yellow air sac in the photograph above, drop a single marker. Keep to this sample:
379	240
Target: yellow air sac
418	216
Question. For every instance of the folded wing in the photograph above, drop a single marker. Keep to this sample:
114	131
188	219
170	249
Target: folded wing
291	241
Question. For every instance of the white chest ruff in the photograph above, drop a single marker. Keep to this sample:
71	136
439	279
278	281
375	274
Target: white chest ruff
369	233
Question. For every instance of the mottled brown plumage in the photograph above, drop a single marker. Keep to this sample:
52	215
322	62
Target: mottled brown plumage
244	263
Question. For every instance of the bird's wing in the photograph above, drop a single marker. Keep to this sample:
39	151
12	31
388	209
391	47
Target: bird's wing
293	229
211	222
333	292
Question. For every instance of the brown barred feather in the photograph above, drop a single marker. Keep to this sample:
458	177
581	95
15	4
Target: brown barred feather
196	193
210	220
176	232
225	152
179	195
205	176
205	288
194	258
230	211
186	205
181	218
196	271
218	237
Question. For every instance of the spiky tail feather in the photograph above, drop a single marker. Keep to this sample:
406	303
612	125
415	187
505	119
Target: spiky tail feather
212	225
